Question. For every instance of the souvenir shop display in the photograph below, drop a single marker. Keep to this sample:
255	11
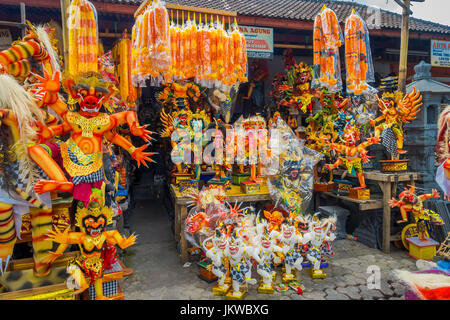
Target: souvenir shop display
396	111
254	195
36	163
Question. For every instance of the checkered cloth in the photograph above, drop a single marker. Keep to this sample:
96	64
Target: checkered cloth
90	178
115	267
265	267
238	271
389	141
292	256
327	250
315	253
109	289
219	269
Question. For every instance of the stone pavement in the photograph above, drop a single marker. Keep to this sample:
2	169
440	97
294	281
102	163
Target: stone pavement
159	274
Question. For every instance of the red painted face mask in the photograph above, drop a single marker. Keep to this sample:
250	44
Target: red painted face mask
90	101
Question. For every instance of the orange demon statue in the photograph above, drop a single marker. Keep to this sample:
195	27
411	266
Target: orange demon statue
81	155
92	221
352	154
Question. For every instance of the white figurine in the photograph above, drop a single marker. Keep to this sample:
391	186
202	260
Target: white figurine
217	255
266	253
317	236
290	240
238	253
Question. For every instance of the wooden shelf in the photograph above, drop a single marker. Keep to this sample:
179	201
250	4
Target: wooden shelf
364	205
234	194
55	291
28	263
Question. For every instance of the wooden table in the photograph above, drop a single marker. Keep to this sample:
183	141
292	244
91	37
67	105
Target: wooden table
181	203
388	185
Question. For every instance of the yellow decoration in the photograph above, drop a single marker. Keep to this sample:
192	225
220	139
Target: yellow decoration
75	170
83	38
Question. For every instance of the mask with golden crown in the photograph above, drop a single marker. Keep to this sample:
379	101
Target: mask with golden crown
93	219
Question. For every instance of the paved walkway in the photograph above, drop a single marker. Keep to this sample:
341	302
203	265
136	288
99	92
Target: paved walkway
159	274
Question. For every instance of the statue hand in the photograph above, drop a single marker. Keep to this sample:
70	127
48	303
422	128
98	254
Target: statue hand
128	241
44	133
435	193
141	131
373	140
393	203
141	157
58	236
48	83
51	257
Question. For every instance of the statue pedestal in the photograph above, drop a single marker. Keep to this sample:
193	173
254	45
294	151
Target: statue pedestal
318	274
359	194
249	187
231	296
423	250
221	291
393	166
267	289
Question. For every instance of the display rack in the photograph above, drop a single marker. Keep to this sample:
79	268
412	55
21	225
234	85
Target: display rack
388	185
181	203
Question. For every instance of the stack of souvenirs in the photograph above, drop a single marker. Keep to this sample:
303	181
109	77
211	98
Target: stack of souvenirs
36	164
339	130
235	239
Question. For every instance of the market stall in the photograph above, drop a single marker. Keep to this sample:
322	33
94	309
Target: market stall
248	188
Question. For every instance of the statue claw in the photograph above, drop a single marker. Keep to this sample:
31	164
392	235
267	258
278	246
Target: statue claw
3	270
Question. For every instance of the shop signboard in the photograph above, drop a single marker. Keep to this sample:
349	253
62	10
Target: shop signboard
5	39
440	53
259	41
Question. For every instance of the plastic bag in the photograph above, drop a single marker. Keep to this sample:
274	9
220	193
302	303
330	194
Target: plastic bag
327	37
358	56
291	186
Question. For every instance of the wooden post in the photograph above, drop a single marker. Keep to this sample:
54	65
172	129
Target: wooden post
23	19
386	189
183	240
403	66
65	32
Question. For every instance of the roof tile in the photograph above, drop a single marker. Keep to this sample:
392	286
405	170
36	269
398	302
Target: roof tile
301	10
